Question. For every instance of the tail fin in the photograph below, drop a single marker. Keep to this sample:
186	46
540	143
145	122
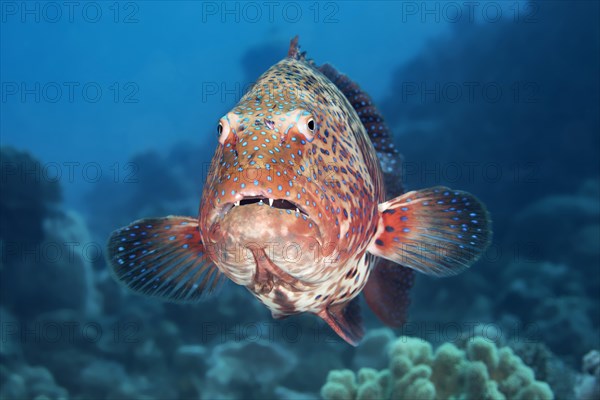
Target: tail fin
437	231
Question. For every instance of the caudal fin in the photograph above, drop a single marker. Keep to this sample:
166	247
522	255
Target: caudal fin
437	231
164	257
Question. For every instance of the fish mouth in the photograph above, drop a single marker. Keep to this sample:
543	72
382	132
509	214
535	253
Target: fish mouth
281	204
279	233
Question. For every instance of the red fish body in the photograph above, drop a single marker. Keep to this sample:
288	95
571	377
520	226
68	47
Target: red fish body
294	210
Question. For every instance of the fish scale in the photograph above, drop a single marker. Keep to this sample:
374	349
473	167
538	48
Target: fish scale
294	209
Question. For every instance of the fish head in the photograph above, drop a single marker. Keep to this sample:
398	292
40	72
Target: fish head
264	206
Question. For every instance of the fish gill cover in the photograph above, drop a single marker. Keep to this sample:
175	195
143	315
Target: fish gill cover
506	109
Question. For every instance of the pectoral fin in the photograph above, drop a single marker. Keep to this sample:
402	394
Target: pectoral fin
164	257
345	320
436	231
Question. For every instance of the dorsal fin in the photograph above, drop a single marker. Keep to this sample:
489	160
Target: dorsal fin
372	119
294	50
295	53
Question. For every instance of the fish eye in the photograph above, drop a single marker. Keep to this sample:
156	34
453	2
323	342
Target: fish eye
307	126
223	130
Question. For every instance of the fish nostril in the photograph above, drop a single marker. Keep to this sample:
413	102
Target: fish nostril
270	124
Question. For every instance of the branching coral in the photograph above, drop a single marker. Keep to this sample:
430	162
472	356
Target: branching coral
481	371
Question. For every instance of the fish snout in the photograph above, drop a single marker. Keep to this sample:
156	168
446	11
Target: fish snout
271	206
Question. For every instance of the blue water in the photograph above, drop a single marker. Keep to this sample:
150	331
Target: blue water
119	102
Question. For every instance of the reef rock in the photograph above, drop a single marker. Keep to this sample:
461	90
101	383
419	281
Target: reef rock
243	370
588	385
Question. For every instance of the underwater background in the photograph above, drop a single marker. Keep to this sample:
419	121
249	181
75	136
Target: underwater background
109	114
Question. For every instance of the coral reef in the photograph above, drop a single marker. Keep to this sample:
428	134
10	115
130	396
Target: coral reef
588	385
25	382
566	225
372	352
547	367
247	369
30	193
552	280
481	371
62	258
43	248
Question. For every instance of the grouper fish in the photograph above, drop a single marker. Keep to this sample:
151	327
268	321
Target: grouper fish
303	205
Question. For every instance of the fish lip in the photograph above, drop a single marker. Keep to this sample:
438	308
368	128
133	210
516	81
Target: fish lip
220	213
